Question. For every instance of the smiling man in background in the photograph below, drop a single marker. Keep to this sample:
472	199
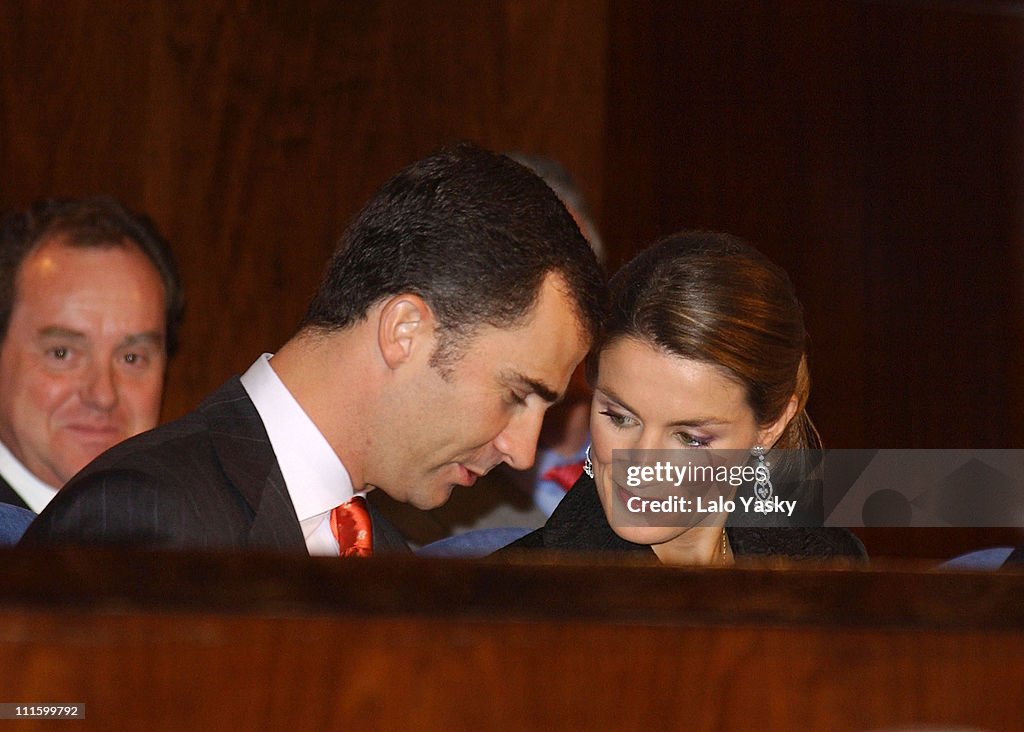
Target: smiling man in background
90	303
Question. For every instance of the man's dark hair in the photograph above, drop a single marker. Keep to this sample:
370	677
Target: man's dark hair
86	222
471	232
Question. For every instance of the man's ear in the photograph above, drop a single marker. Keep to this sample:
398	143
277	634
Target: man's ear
405	325
768	435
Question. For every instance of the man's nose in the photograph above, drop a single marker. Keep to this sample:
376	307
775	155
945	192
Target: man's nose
518	441
99	390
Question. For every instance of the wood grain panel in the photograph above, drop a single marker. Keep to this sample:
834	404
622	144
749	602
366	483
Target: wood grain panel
755	129
158	672
252	131
166	641
873	149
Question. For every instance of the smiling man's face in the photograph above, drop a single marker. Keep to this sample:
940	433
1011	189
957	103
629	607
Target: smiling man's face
83	360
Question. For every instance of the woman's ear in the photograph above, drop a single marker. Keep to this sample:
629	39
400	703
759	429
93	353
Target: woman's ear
405	326
768	435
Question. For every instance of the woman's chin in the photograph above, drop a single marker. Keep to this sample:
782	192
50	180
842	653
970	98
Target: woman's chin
648	534
636	527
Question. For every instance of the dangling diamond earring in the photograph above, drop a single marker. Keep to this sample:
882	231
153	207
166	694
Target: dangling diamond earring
588	466
762	474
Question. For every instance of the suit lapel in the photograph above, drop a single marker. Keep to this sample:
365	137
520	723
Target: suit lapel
248	462
386	538
275	524
11	496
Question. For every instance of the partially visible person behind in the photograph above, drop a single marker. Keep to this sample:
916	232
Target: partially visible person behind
90	304
705	348
565	434
13	522
452	314
568	191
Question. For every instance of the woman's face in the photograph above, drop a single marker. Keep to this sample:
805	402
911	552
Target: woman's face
646	399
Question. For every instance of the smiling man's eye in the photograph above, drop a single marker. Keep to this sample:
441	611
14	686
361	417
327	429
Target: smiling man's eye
60	353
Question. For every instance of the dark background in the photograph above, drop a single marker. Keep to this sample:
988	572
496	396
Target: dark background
874	149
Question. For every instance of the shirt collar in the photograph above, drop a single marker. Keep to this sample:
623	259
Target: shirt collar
32	490
316	479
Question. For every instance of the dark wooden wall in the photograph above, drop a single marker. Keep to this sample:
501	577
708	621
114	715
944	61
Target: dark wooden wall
252	131
872	148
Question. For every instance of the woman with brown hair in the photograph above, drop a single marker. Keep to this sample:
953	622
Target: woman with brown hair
706	349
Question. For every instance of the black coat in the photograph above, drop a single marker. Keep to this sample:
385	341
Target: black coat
209	480
579	525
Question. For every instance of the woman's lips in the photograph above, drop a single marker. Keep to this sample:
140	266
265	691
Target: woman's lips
624	495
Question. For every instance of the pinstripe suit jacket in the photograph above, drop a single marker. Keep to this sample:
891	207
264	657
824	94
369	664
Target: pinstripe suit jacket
209	480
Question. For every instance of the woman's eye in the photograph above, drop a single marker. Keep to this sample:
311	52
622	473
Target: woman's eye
618	420
693	441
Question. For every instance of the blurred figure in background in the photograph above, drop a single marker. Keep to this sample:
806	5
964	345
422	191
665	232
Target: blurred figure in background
564	186
564	438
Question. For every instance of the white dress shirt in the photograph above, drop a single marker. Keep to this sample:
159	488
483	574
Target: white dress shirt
316	480
33	491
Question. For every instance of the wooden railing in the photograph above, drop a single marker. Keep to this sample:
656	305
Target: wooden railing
187	641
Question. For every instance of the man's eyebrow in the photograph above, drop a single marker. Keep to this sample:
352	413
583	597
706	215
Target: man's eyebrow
539	388
57	331
132	339
150	337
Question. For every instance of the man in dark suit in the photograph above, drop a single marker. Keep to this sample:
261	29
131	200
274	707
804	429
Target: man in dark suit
90	303
451	316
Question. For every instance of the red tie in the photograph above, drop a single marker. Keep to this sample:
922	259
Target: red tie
565	475
350	523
